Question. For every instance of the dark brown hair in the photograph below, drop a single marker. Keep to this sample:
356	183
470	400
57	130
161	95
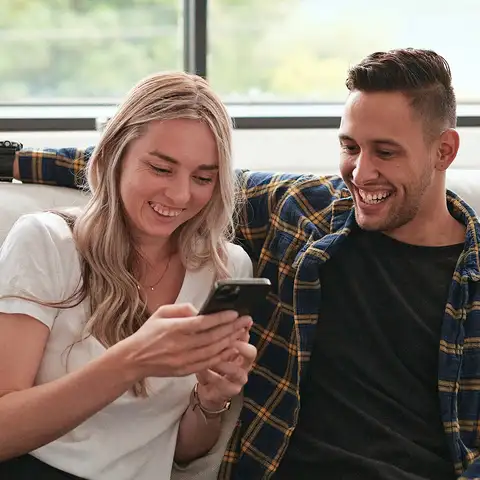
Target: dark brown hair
422	75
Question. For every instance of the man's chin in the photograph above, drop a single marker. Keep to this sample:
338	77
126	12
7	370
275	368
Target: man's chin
373	224
386	216
371	227
385	224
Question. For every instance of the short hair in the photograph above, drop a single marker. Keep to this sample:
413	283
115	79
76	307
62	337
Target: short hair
423	76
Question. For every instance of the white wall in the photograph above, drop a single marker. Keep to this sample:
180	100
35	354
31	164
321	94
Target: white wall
281	150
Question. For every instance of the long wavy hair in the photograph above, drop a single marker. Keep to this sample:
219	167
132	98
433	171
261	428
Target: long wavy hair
103	240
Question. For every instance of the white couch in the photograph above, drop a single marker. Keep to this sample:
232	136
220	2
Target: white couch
17	199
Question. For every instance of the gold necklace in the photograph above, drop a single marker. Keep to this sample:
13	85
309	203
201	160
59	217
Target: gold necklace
152	287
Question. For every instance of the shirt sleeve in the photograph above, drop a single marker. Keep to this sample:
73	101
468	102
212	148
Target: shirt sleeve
262	192
63	167
33	266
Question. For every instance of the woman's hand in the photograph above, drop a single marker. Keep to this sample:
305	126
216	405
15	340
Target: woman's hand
175	341
222	382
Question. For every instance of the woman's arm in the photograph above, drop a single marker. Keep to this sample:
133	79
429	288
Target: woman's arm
199	432
172	342
34	264
31	416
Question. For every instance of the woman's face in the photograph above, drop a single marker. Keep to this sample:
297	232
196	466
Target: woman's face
168	175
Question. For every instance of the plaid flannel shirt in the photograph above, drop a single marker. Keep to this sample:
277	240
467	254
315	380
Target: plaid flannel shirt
290	225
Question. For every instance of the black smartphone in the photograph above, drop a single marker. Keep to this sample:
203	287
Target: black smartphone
240	294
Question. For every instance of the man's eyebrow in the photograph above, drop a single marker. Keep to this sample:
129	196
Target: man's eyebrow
173	161
387	141
376	141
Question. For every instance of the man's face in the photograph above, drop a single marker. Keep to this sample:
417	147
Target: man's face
386	161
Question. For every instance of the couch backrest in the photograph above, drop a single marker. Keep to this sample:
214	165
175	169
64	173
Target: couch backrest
17	199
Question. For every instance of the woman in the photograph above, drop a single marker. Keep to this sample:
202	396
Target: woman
106	372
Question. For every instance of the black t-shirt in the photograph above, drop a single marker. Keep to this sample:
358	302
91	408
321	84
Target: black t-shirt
369	404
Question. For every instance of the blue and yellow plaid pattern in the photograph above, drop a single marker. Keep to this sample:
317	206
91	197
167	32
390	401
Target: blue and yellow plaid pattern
64	166
290	225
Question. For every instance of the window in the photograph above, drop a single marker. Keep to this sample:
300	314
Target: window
300	50
276	63
59	51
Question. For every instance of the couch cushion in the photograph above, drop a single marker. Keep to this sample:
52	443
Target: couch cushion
17	198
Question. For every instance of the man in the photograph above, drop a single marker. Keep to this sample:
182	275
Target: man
368	353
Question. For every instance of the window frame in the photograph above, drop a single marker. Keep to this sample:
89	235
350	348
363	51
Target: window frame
86	116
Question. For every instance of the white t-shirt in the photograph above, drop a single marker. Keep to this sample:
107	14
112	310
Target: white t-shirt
132	438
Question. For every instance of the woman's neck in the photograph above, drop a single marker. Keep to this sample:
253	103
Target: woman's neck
152	255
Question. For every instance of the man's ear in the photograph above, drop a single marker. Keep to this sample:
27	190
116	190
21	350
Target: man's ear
448	145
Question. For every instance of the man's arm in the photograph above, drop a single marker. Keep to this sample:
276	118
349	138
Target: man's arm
292	204
261	193
63	167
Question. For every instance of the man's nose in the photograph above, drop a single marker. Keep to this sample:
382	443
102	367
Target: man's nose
365	169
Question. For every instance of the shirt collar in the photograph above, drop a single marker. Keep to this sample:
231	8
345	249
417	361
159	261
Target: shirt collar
465	214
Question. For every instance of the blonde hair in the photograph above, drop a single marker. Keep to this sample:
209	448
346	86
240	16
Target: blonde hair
100	231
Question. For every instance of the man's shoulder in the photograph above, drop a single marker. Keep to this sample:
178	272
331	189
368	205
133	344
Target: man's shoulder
317	189
465	214
256	178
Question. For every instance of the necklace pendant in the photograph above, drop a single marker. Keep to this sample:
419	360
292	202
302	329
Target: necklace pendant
152	288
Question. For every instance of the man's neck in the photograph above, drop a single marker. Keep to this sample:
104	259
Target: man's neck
436	230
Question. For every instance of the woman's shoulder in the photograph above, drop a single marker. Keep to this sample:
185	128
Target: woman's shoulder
41	229
47	221
38	257
239	263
